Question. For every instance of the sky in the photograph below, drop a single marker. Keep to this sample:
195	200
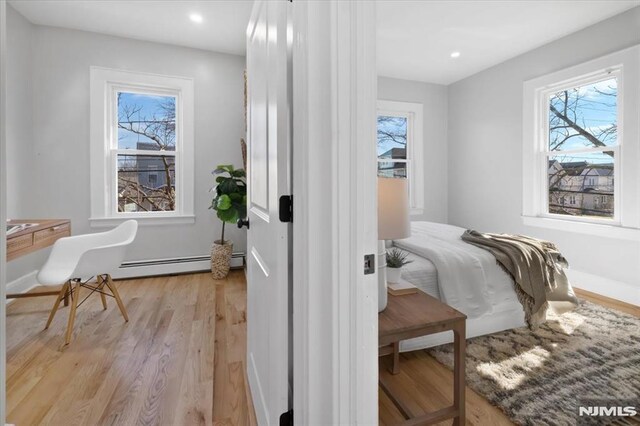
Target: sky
150	107
395	125
595	112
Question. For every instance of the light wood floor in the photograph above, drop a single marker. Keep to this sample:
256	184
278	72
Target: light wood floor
428	384
180	360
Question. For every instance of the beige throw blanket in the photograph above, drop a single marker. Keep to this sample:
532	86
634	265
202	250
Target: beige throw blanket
537	269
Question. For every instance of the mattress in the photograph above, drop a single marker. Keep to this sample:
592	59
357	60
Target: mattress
423	274
503	311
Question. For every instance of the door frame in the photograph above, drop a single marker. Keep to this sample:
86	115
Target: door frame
3	208
335	315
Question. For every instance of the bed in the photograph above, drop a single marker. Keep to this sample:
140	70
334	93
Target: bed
463	276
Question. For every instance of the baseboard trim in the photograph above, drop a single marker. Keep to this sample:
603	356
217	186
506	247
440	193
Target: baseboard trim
138	269
625	292
22	285
172	266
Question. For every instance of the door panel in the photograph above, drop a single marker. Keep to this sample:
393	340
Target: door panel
259	178
268	274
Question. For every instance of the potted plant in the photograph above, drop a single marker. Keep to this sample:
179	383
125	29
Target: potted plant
396	259
230	204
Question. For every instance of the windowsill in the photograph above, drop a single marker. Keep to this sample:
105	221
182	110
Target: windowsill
597	229
105	222
416	212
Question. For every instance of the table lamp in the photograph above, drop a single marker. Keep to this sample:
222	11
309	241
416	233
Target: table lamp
393	223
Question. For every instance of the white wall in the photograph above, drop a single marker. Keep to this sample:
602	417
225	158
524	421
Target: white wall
59	155
434	99
485	148
19	125
21	178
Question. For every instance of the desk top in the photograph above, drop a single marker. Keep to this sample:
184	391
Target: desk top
414	311
42	224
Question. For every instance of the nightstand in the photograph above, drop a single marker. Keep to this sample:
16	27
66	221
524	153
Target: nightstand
416	315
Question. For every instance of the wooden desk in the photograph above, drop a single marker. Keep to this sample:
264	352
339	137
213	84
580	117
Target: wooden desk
416	315
21	243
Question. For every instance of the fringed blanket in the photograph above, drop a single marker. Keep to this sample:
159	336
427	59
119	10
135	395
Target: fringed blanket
537	270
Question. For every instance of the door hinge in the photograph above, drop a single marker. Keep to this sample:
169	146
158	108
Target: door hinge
285	209
286	419
369	264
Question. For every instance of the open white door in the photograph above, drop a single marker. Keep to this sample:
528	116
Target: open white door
268	241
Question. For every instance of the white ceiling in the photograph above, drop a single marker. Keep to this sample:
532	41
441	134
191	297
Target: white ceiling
416	38
223	28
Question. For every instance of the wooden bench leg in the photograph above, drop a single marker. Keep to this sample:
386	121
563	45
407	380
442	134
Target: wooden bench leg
459	386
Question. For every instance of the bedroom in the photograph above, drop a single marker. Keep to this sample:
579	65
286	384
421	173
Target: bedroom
457	120
487	177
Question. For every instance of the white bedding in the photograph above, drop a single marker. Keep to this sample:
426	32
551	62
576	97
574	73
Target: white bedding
423	274
468	278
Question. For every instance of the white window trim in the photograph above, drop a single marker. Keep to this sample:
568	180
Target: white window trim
626	223
104	83
415	147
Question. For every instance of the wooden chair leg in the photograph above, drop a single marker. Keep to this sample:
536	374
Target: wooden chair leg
63	293
116	295
101	290
75	295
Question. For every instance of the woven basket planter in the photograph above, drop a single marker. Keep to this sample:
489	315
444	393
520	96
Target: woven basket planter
220	258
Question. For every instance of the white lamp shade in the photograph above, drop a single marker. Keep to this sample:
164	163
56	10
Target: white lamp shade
393	209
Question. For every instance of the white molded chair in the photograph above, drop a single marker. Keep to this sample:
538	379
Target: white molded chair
76	260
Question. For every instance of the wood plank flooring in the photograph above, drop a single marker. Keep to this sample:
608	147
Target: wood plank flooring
180	360
428	385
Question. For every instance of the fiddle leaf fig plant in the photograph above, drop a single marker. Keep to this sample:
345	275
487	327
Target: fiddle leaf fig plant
230	200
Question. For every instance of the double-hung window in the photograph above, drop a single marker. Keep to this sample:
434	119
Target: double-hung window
400	147
582	146
141	147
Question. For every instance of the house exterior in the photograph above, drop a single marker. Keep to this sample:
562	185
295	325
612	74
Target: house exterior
142	181
581	189
388	164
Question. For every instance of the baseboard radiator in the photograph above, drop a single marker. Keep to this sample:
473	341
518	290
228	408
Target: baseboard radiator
176	265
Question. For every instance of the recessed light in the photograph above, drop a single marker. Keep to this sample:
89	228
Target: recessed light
455	54
196	17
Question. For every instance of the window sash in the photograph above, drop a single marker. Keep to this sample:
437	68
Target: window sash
543	100
617	202
414	114
409	116
114	185
114	151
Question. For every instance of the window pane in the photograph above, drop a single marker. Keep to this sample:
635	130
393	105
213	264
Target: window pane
392	169
146	122
582	184
584	116
146	183
392	137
